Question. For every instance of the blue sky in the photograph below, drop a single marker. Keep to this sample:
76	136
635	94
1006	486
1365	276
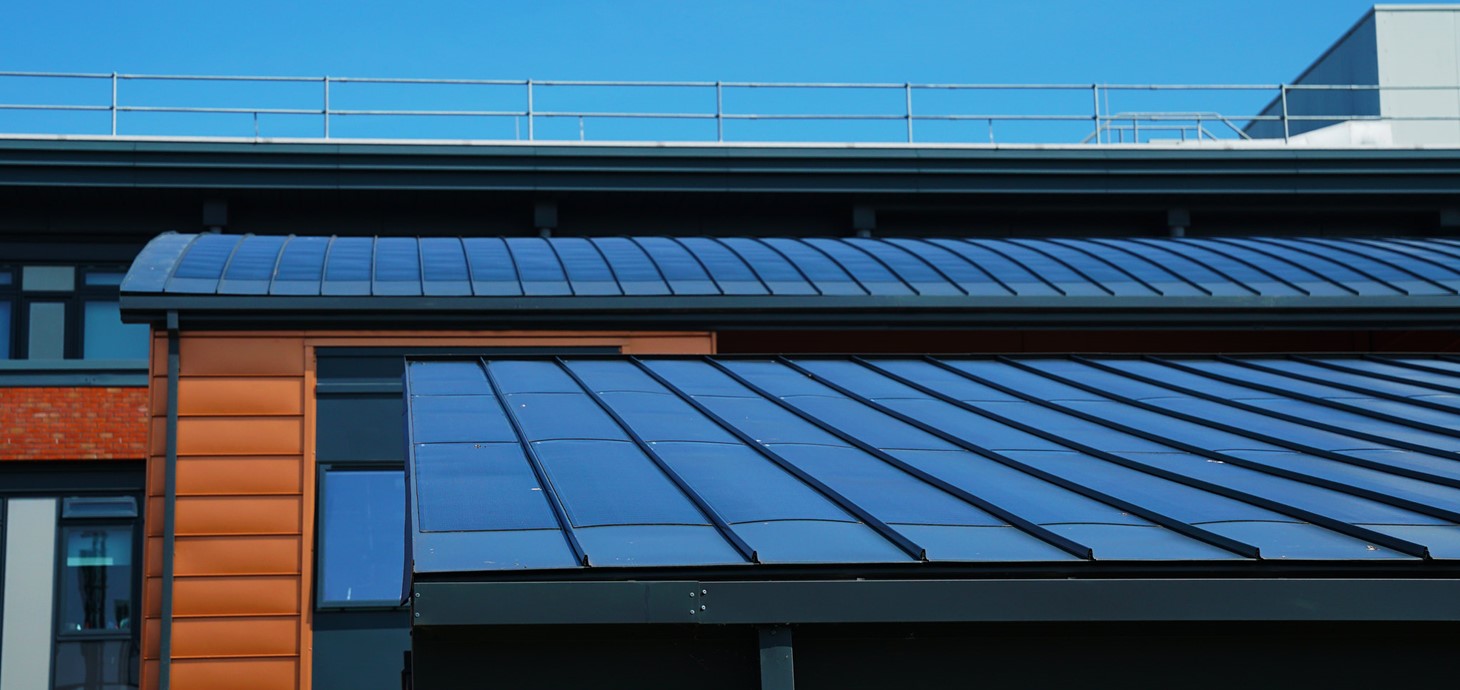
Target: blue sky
1113	41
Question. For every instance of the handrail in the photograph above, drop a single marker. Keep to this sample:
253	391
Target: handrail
271	100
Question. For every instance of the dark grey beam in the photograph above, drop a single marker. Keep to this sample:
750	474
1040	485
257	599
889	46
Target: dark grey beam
777	660
901	601
810	311
546	168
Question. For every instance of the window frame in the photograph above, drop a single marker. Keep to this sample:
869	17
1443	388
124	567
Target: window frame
74	303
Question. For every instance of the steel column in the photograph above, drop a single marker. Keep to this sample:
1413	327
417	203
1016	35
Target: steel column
777	666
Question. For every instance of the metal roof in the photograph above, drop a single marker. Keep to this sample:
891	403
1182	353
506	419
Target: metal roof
532	464
272	265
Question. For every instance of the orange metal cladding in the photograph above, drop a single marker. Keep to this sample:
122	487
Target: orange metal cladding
245	486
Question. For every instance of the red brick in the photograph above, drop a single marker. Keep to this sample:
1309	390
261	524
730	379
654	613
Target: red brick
73	423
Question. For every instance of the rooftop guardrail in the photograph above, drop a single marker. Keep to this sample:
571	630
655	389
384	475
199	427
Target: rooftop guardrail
355	108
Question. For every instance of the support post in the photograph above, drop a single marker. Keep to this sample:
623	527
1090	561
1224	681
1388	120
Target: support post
114	103
1283	96
326	106
530	133
719	112
907	93
777	667
1095	94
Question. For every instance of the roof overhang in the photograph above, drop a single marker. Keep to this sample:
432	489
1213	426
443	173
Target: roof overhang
721	312
695	602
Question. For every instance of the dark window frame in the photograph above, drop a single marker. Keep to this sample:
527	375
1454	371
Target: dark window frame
74	301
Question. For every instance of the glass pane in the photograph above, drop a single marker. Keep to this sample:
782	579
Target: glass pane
106	337
5	311
47	336
96	665
363	536
96	578
104	278
6	278
48	278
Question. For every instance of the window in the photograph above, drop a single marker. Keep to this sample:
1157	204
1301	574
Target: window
96	603
65	312
362	536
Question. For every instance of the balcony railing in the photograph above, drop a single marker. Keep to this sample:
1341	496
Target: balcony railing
354	108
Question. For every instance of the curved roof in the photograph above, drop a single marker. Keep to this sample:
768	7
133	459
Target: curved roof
216	264
540	463
816	275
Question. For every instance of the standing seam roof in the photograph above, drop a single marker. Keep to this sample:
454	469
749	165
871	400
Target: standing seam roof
540	463
213	264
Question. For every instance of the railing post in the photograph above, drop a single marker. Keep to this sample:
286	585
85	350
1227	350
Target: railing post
1283	96
907	92
326	106
114	103
530	133
1095	95
719	112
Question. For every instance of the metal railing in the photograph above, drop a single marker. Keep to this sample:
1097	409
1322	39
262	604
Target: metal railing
522	105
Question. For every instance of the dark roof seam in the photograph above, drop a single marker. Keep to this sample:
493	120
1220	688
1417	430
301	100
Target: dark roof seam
699	262
1292	419
741	258
917	257
1225	253
1429	245
898	539
471	283
1020	264
717	520
1031	528
374	247
1260	437
960	256
608	265
1345	248
1333	524
652	263
668	285
1170	248
885	266
1406	250
324	263
1375	375
1226	543
1304	397
545	481
1075	247
1159	267
1366	392
562	265
1318	255
181	256
1395	361
836	263
278	259
420	264
794	266
227	263
1033	246
1284	260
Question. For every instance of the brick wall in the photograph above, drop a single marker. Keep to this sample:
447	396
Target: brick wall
73	423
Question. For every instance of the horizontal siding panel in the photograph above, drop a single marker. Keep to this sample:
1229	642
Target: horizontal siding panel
235	674
231	555
203	476
202	638
241	356
238	515
237	396
221	596
232	436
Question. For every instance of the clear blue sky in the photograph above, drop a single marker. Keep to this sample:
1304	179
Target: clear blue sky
1113	41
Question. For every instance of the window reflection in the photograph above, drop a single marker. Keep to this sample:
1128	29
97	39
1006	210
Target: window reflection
96	579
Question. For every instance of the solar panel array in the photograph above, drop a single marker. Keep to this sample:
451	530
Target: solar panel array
560	463
217	264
